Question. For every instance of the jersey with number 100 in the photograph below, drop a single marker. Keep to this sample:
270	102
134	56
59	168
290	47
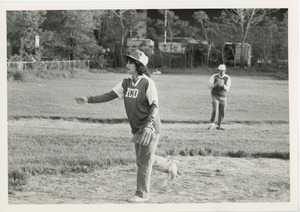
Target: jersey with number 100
138	98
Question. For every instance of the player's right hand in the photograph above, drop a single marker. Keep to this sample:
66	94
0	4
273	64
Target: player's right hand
81	100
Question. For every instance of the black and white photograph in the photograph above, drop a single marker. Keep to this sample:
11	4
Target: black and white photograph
149	107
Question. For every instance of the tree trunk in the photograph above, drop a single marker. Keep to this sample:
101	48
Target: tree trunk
243	40
208	55
165	29
162	59
242	62
71	45
185	62
170	56
121	51
223	59
191	56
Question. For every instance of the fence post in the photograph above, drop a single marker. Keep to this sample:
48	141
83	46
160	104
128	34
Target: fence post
19	66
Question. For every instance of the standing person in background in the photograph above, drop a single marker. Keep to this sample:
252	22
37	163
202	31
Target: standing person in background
141	104
219	84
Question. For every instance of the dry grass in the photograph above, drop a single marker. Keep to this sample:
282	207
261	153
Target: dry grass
40	146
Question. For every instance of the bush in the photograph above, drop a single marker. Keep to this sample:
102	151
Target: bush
202	152
238	154
192	152
170	152
282	75
38	73
266	69
97	71
279	155
208	150
183	152
17	178
14	75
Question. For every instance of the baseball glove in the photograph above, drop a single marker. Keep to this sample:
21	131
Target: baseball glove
144	136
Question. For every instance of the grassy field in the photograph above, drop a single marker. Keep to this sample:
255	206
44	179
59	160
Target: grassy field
81	138
184	98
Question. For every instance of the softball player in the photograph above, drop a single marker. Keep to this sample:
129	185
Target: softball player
141	104
219	84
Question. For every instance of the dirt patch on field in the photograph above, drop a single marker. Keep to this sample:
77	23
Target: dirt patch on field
203	180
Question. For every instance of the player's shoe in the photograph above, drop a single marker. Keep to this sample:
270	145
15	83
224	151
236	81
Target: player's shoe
137	199
220	128
211	126
174	169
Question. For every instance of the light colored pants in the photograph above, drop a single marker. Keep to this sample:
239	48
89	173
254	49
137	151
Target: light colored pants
219	105
146	160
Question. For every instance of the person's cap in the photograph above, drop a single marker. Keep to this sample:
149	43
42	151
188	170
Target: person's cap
139	56
222	67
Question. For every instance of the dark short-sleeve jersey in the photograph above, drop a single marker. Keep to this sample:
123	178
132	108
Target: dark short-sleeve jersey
138	98
218	90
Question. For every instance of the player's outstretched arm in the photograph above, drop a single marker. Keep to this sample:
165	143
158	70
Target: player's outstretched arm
97	99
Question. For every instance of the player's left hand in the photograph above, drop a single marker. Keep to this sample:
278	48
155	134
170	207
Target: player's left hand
81	100
144	136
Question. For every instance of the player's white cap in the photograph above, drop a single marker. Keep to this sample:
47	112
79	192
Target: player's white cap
139	56
222	67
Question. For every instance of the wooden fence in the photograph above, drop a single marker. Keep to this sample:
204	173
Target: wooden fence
49	65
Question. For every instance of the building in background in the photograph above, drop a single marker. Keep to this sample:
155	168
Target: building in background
233	51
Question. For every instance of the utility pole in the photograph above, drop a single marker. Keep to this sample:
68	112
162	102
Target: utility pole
165	33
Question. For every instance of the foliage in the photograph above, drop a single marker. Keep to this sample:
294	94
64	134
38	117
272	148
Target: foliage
17	178
14	75
22	28
117	26
237	154
280	155
270	41
244	20
173	26
206	30
39	73
101	35
70	34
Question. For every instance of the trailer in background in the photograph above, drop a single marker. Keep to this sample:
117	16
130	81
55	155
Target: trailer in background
233	51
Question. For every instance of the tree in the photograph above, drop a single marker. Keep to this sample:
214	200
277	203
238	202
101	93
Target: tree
22	29
70	34
202	18
223	31
173	26
117	27
270	39
244	20
281	36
